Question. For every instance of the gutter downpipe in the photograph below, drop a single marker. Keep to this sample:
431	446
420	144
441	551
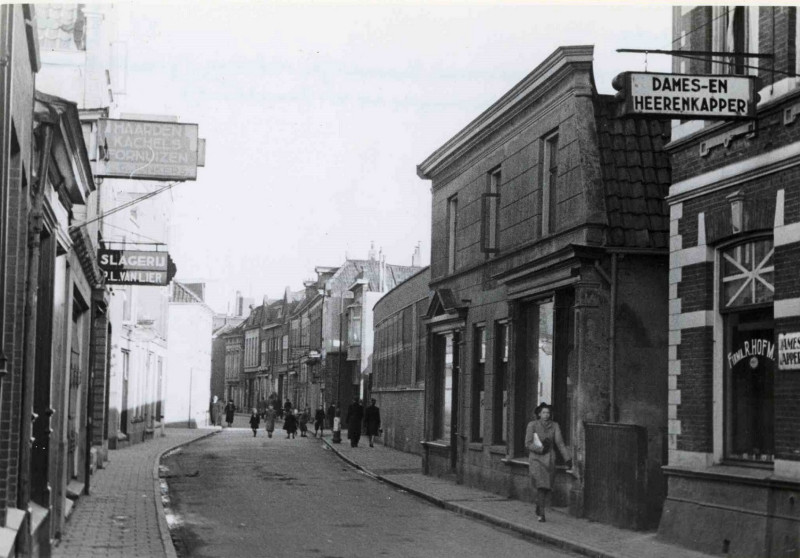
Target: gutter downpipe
6	32
612	342
27	416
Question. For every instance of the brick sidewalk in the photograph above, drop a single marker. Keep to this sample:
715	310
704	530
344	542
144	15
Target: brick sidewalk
122	517
404	471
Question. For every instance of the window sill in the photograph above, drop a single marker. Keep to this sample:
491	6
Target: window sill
498	450
515	462
475	446
435	445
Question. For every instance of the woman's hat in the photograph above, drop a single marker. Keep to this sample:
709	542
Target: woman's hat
540	407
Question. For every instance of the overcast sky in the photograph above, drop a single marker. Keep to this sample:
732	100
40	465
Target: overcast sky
316	116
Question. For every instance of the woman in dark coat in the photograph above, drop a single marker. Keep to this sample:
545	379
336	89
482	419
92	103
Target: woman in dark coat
230	408
255	420
319	422
269	420
354	418
542	437
290	425
372	422
303	419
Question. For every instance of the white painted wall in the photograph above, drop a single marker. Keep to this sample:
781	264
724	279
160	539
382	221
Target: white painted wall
188	376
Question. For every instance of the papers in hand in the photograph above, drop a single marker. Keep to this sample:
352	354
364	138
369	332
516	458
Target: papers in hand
538	446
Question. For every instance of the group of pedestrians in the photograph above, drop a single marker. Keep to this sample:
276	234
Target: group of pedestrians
357	416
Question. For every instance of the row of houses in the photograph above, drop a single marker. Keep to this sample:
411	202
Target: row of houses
312	346
640	275
83	364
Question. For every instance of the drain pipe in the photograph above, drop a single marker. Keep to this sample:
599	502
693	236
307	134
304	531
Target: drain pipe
612	343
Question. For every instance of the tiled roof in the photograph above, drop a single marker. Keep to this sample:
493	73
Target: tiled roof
636	176
61	27
181	293
370	270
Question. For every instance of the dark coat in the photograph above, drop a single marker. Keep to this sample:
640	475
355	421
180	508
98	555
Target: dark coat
230	408
372	420
269	419
255	420
290	423
319	418
330	415
355	416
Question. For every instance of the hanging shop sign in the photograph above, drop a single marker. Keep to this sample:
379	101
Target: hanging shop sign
146	150
751	351
136	267
687	97
789	351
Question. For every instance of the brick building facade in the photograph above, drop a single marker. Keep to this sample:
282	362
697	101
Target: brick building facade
399	360
549	277
734	407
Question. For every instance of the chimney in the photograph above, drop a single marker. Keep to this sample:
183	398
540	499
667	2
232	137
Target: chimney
416	258
371	254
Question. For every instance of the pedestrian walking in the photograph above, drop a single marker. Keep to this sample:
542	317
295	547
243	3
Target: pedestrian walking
303	420
542	437
355	416
331	415
287	407
255	420
269	420
230	409
337	427
216	411
372	422
290	424
319	421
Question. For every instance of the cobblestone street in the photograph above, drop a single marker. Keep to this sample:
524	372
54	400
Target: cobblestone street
234	495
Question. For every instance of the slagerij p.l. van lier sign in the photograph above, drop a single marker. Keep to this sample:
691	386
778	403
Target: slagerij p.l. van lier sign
687	97
134	267
147	150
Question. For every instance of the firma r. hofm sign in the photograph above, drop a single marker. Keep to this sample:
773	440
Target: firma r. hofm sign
687	97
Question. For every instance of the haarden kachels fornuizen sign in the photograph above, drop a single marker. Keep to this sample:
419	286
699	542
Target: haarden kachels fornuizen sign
136	267
147	150
687	97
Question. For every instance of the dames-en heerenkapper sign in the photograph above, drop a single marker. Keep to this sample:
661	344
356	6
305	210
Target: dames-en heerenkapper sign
789	351
134	267
147	150
687	97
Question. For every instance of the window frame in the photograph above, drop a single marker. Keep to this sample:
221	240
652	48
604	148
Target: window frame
452	229
500	402
490	213
480	343
549	181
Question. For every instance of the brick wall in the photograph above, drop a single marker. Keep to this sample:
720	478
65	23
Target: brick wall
99	366
696	288
695	383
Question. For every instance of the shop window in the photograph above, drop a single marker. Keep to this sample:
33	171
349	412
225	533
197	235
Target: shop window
747	277
478	375
500	402
543	356
445	352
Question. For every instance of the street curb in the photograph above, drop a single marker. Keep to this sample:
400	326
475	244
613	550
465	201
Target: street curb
166	539
565	544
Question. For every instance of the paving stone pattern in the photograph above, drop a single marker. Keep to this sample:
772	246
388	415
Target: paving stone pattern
120	518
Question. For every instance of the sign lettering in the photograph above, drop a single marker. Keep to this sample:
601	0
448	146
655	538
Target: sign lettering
687	96
147	150
135	267
752	348
789	351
